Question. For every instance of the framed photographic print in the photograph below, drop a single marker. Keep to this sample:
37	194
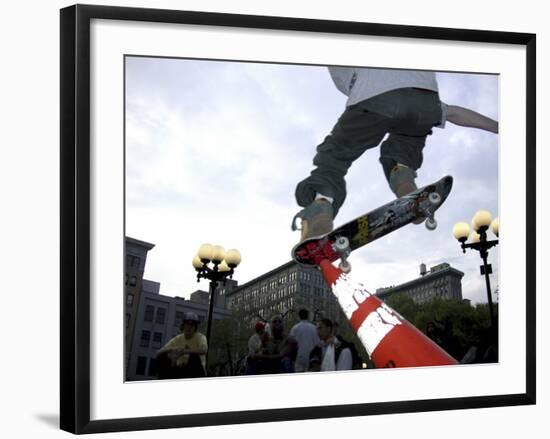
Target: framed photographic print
198	149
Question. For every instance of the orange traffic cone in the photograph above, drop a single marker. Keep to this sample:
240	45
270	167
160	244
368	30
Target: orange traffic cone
390	340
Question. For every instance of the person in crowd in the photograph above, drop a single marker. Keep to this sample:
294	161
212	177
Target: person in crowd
356	360
306	336
442	333
280	350
184	356
256	344
330	354
434	332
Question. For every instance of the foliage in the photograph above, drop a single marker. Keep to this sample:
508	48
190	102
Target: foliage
228	344
459	325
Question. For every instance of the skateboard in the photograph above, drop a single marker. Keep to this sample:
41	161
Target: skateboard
338	244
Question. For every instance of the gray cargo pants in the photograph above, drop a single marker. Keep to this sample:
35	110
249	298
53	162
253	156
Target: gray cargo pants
407	114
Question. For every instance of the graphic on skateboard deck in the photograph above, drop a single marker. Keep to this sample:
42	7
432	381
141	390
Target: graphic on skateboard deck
338	244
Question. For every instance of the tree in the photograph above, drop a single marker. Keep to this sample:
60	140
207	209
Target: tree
228	345
459	326
404	305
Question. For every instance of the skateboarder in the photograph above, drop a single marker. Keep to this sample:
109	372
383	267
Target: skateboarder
402	103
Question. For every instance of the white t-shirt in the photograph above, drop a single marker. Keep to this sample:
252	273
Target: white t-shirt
345	360
363	83
254	344
305	334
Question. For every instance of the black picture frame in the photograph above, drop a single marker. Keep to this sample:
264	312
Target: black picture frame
75	217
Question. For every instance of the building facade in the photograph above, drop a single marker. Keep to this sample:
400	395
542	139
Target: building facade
220	293
152	319
288	287
136	257
441	281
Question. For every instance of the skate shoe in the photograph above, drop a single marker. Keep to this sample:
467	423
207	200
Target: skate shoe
402	183
316	219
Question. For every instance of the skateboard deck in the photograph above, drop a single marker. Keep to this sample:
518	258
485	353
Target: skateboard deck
338	244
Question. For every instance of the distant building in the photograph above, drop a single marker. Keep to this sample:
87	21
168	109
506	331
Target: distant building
151	318
287	287
136	256
441	281
148	286
220	294
200	296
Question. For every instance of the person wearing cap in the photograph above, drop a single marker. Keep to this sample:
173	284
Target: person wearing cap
255	345
186	351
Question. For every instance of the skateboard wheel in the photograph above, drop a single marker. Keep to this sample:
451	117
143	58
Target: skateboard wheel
341	244
431	224
345	267
434	198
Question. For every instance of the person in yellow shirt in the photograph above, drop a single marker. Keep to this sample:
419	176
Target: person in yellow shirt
185	353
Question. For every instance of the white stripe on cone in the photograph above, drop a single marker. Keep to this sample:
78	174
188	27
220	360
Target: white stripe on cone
377	324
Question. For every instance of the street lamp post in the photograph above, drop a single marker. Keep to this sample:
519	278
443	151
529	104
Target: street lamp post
223	267
481	222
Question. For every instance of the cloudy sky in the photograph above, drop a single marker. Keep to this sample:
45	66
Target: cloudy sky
215	149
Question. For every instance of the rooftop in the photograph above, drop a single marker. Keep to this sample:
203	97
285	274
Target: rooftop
435	271
139	243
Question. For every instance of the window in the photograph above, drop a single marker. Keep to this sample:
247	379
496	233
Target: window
149	310
141	364
133	281
161	315
157	340
145	339
179	318
128	315
130	299
133	261
152	367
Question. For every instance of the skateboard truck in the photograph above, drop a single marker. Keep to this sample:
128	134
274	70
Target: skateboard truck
435	199
417	207
342	248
